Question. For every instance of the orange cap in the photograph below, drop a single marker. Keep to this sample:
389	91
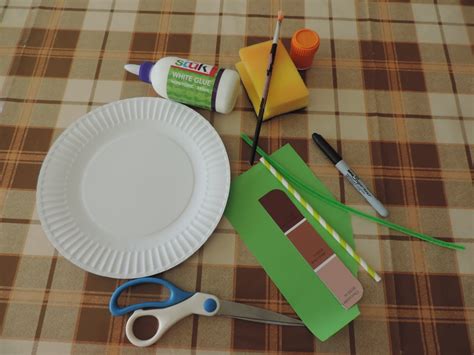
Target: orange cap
304	45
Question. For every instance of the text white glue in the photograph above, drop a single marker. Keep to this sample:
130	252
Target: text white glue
192	83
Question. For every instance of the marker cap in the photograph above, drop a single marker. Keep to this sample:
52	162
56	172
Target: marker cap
326	148
304	45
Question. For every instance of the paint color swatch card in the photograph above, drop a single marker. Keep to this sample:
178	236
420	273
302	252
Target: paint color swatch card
291	271
325	263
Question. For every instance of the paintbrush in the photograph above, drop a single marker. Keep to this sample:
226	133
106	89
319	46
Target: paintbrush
271	60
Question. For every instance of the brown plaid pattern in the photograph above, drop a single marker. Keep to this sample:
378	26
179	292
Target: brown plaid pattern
391	87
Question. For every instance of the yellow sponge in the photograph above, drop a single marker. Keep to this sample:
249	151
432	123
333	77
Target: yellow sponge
287	90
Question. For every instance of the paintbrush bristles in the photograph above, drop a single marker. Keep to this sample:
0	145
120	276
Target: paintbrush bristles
280	16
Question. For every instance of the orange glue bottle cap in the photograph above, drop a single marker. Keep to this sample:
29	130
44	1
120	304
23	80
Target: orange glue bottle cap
304	45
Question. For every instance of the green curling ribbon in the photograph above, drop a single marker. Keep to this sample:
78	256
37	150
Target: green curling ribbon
331	201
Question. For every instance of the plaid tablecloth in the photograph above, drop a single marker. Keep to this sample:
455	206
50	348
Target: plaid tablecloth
391	87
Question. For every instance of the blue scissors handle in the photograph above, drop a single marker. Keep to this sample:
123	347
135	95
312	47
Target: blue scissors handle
176	296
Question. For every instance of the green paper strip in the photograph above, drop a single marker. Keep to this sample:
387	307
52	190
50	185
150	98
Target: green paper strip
291	273
299	184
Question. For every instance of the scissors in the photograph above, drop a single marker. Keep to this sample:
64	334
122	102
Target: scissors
181	304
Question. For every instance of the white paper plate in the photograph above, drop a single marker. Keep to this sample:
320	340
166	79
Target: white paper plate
133	188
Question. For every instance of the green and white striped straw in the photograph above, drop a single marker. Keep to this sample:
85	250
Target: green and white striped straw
321	220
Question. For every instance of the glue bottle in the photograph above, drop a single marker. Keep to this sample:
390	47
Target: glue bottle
191	83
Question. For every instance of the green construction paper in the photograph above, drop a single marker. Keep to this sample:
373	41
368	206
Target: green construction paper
310	298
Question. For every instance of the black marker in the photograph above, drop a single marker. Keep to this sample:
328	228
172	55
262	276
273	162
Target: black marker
350	175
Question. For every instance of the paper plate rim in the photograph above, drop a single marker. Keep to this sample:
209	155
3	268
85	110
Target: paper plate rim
176	261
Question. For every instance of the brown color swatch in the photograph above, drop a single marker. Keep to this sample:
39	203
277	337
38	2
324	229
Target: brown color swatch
281	209
311	246
337	277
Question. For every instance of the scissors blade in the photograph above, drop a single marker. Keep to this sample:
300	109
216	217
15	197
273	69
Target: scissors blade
255	314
